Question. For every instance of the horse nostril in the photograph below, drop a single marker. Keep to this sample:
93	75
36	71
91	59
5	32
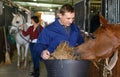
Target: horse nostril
13	32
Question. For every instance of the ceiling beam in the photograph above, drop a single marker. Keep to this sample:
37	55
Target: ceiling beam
45	2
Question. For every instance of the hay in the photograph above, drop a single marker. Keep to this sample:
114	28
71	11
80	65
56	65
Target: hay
63	51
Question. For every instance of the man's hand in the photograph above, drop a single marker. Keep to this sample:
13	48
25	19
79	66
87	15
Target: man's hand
45	54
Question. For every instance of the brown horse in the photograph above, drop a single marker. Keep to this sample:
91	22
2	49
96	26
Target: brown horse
104	44
106	41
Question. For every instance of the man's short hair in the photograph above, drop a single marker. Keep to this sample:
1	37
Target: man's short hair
66	8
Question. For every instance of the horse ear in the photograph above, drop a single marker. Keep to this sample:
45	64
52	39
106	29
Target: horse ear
103	20
14	14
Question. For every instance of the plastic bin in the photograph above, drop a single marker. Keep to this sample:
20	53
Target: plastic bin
67	68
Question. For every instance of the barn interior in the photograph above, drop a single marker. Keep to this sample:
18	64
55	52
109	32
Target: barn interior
52	6
47	10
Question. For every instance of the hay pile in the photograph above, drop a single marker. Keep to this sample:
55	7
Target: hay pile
63	51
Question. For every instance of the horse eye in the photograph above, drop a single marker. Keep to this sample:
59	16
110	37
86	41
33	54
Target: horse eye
93	36
17	21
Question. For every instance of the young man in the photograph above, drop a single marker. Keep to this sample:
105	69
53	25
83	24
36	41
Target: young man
62	29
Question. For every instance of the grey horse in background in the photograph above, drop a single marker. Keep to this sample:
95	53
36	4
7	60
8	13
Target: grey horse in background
22	42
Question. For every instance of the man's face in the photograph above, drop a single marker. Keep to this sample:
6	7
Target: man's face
67	18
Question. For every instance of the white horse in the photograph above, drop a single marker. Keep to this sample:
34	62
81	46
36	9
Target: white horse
22	42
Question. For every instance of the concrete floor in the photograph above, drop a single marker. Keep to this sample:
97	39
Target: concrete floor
12	71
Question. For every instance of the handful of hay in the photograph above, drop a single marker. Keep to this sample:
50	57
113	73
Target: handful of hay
63	51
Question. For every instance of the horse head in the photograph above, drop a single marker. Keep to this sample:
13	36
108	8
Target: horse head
107	39
17	21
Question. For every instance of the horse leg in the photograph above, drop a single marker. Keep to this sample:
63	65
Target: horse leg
26	52
18	52
23	53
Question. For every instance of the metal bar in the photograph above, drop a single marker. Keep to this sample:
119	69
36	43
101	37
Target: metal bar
84	26
44	2
88	15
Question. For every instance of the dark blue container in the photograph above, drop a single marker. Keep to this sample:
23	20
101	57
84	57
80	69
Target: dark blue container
67	68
